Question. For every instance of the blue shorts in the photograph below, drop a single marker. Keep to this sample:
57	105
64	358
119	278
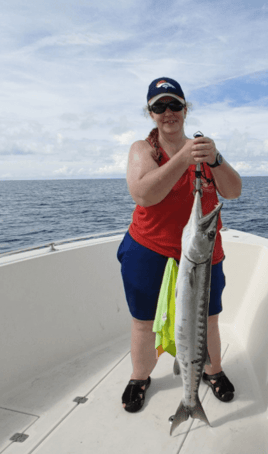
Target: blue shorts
142	272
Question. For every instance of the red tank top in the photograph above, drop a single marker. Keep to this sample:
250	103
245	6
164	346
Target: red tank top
159	227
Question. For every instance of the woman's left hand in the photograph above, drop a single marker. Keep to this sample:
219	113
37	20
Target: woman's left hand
227	180
204	150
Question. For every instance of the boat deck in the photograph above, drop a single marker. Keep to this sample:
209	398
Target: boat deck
44	409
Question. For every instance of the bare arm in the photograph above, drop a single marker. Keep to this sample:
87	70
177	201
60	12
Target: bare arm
227	180
148	183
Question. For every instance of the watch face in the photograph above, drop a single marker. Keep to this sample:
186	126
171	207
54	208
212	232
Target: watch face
219	158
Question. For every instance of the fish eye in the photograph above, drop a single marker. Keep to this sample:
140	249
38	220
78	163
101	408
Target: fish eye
211	234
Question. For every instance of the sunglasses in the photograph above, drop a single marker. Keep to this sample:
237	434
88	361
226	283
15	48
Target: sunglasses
159	108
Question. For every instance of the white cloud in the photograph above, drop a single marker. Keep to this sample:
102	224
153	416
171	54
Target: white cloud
59	139
63	171
118	167
238	132
242	166
82	171
126	138
74	80
251	168
263	167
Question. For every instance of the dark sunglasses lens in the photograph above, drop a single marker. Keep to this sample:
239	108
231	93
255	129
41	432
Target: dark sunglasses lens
175	106
161	107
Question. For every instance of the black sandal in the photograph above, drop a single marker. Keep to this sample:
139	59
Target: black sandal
226	389
134	395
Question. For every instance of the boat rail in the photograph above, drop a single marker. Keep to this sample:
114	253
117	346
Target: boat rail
52	244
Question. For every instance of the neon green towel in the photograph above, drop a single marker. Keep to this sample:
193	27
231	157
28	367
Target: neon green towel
165	313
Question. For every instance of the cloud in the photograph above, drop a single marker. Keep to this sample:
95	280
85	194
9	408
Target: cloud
64	171
118	167
74	79
6	176
125	138
242	166
251	168
237	132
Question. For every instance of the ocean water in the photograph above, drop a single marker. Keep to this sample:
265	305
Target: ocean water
36	212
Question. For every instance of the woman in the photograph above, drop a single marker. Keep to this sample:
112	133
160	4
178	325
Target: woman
160	176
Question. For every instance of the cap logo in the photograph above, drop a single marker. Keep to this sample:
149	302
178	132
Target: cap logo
164	84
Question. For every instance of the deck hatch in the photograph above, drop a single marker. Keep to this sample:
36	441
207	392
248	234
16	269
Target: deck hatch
19	438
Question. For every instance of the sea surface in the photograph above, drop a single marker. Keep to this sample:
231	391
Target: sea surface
36	212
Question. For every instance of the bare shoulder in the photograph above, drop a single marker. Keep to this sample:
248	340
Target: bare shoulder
140	162
140	151
140	146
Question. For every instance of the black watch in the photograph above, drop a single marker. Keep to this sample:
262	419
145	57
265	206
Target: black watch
217	162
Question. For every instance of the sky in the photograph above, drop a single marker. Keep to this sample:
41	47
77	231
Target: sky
75	74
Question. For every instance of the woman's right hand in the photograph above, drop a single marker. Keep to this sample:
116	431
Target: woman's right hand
186	153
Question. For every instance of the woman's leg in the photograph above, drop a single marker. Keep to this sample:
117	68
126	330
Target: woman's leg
214	347
143	353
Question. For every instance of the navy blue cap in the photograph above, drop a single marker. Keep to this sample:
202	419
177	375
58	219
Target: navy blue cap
163	87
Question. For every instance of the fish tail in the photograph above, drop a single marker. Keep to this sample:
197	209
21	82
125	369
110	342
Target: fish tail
198	412
183	412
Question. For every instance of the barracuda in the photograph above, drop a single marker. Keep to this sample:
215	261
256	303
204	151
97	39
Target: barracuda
192	300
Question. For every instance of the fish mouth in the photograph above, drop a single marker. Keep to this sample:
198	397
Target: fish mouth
208	217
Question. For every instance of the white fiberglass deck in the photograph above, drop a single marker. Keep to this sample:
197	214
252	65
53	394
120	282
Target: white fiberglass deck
42	406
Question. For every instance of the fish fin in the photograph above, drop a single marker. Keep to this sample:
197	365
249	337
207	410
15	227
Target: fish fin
197	412
192	276
208	360
176	367
182	414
